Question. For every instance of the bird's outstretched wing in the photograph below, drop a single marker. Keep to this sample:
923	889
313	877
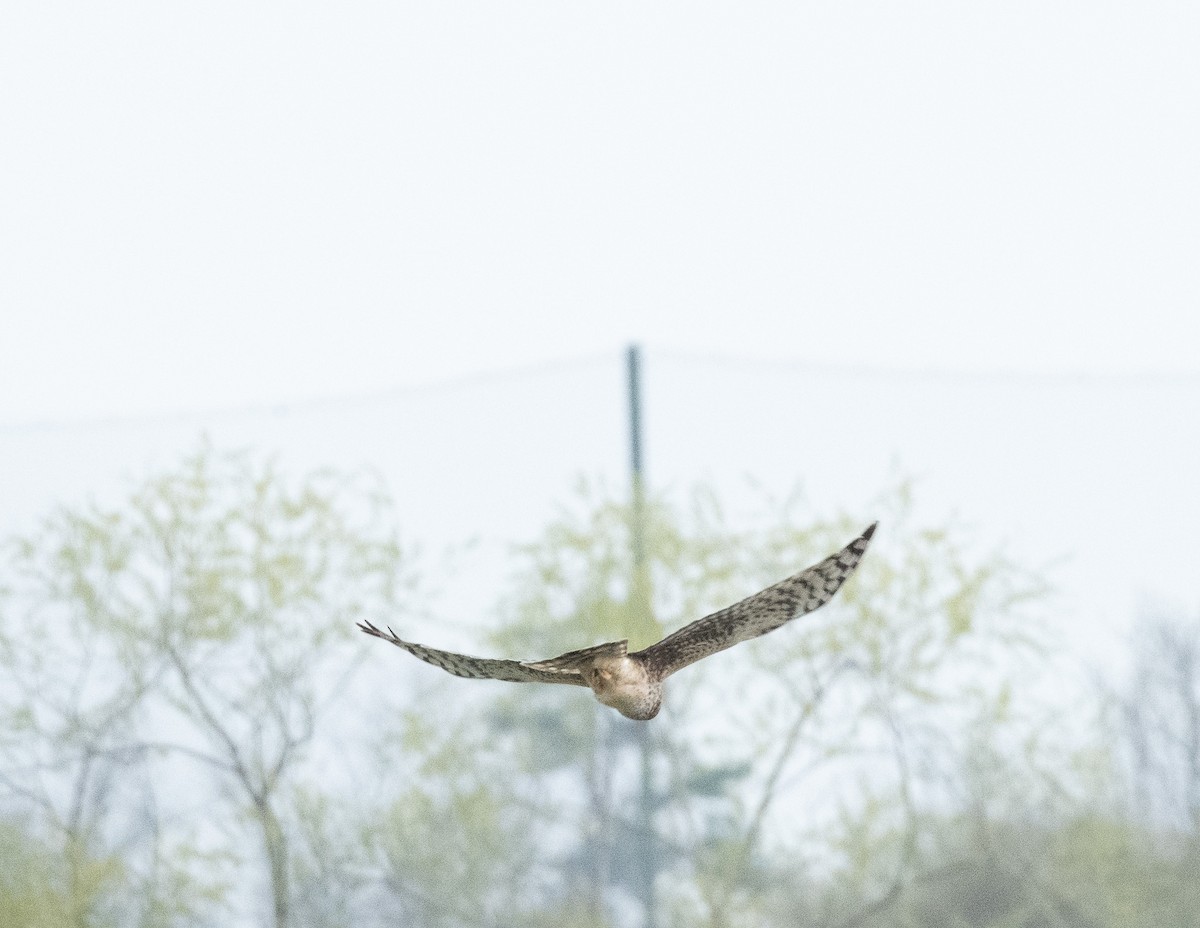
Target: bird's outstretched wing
477	668
756	615
584	658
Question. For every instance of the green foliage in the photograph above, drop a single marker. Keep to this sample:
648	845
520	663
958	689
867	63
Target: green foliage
883	763
29	894
43	889
858	697
209	620
1087	871
454	843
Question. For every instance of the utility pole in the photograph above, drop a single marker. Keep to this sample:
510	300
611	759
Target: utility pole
640	592
635	459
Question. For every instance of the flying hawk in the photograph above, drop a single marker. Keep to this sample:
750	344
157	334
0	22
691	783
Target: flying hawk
633	683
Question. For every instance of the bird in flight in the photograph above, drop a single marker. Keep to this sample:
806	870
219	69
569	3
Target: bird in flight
633	683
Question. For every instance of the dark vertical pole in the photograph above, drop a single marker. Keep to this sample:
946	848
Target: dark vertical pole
641	601
635	458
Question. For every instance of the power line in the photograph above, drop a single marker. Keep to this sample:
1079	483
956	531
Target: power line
312	404
742	363
852	369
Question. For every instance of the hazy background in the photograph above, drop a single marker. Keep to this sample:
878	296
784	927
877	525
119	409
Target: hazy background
860	244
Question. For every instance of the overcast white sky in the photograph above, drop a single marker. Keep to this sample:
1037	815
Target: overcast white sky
227	203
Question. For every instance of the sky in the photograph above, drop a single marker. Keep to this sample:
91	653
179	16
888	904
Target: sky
859	240
951	241
209	206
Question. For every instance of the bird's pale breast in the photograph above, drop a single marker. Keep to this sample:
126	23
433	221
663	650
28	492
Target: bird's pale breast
626	686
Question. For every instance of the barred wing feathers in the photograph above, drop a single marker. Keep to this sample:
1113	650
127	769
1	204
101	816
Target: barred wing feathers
574	661
756	615
477	668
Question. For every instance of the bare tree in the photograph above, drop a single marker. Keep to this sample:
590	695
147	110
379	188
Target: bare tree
861	702
1161	717
224	597
70	764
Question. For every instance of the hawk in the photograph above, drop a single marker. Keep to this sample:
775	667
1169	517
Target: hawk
633	683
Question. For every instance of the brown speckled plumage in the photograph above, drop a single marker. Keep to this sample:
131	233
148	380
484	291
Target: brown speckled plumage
633	683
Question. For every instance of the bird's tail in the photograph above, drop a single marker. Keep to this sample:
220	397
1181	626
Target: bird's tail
584	657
